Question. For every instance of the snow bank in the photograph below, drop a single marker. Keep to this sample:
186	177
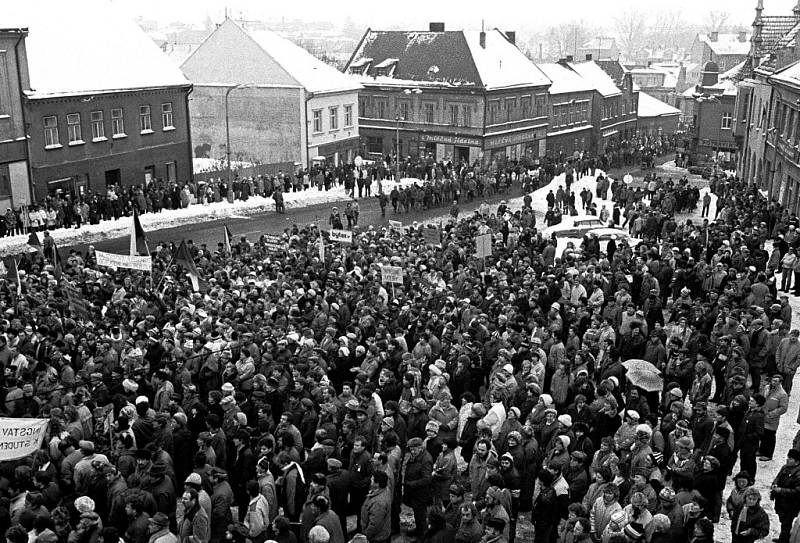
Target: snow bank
194	214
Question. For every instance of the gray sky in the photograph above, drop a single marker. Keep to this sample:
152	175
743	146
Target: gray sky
455	13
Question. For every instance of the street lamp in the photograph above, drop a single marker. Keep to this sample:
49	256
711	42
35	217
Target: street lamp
407	92
227	125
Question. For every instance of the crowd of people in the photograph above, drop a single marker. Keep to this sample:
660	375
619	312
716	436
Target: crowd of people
297	397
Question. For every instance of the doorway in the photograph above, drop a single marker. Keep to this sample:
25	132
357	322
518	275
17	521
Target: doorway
461	154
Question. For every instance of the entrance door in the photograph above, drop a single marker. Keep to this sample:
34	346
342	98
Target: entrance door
461	154
149	175
113	177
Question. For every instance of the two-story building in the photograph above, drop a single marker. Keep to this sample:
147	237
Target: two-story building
452	94
614	106
14	173
272	100
570	112
103	105
602	48
726	50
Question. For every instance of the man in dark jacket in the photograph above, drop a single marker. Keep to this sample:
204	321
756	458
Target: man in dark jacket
376	512
338	488
243	470
360	468
416	483
786	493
751	430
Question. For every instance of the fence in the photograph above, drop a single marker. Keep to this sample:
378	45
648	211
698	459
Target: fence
248	171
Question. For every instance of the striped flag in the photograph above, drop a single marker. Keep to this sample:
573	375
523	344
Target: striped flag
59	268
77	303
227	237
138	237
184	258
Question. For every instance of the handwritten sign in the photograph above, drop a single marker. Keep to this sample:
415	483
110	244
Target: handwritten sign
20	437
341	236
392	274
483	246
273	243
396	225
111	260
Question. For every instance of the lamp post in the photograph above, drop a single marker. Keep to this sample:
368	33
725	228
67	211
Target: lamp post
227	126
407	92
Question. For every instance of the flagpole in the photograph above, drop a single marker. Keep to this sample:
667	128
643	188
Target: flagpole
171	257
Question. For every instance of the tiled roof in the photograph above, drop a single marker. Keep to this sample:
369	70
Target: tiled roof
453	58
777	33
727	44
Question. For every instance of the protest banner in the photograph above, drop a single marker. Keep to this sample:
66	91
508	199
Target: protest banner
392	274
396	225
20	437
483	246
342	236
273	243
111	260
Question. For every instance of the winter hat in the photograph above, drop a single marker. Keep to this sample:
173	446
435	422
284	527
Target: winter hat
660	523
84	504
432	426
565	441
634	531
667	495
565	420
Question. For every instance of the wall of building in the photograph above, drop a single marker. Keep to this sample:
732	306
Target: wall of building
749	129
711	137
338	140
14	182
82	165
265	123
655	126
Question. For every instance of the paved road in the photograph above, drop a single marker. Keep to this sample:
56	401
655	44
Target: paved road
253	226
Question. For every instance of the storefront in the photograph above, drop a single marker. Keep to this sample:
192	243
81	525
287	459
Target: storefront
520	145
448	146
337	152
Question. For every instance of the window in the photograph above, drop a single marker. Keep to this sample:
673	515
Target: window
466	115
145	123
98	128
526	107
404	111
429	116
382	109
51	132
166	116
540	111
374	144
117	124
727	120
317	120
348	116
333	113
493	107
453	118
362	105
510	106
74	128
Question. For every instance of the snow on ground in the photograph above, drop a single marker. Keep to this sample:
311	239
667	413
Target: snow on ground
201	165
193	214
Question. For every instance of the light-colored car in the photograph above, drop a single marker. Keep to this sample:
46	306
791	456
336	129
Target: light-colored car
577	227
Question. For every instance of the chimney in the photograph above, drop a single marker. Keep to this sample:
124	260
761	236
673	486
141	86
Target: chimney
436	27
713	36
512	36
482	39
570	58
588	57
742	36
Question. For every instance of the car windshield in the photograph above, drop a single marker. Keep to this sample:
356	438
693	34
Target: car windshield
589	222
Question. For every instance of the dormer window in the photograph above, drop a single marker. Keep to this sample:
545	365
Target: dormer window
360	67
386	67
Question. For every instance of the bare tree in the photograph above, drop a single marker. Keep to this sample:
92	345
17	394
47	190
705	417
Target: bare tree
717	20
631	27
566	39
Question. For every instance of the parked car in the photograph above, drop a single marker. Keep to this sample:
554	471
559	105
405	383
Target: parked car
577	227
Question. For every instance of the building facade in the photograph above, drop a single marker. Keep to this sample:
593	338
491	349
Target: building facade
656	118
283	104
571	97
98	116
782	152
459	95
14	172
726	50
86	143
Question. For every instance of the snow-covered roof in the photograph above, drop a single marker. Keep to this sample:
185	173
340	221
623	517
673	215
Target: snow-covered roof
500	64
597	78
453	58
600	43
789	75
313	74
87	47
653	107
727	44
564	79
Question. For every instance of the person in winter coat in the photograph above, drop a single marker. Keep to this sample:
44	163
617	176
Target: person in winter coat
750	433
416	483
777	402
469	529
749	522
602	509
545	509
785	492
787	358
376	511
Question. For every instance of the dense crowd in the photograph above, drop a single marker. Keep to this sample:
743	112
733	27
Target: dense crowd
604	394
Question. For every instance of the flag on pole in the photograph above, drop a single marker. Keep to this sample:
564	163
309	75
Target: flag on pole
138	237
33	241
12	272
57	263
227	237
184	258
78	306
